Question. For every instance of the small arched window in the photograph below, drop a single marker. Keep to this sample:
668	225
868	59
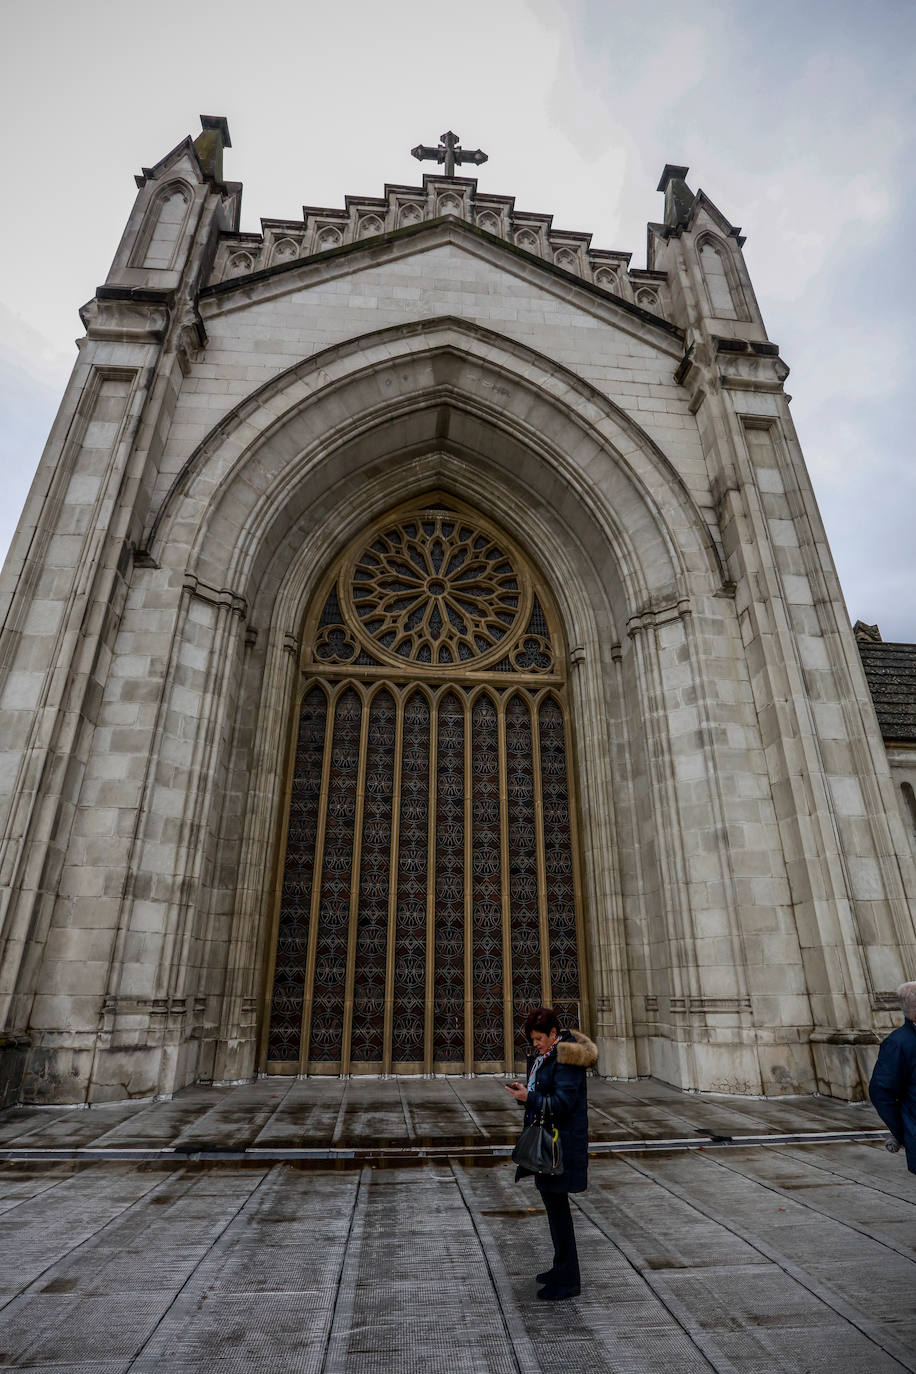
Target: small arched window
158	241
284	251
369	225
722	287
239	265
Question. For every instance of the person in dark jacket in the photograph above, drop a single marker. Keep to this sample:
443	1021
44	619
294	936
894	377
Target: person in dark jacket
893	1083
557	1082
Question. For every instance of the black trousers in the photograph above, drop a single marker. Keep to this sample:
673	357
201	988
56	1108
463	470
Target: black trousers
565	1255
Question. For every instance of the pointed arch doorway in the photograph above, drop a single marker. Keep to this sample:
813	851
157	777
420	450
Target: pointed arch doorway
429	891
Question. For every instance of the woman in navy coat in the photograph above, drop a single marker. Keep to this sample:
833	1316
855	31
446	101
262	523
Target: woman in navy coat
557	1082
893	1083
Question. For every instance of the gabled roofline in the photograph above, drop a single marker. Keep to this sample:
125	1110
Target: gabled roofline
187	146
458	226
700	201
730	230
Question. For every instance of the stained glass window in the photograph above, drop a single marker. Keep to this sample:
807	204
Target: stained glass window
448	995
487	948
430	875
336	874
523	865
296	897
374	881
412	874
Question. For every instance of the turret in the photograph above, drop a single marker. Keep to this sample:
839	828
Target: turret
181	202
701	252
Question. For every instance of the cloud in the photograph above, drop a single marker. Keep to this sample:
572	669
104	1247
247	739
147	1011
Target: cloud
863	361
32	354
797	121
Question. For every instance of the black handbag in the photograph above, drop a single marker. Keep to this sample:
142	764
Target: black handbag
538	1148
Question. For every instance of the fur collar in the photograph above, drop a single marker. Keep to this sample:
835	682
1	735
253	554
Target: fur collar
579	1050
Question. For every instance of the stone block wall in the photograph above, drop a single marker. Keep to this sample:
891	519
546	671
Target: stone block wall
230	425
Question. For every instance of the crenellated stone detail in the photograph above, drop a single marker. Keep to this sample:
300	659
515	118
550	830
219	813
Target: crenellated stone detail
363	218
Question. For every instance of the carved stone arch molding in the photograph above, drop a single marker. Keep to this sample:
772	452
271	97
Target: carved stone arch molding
399	392
266	504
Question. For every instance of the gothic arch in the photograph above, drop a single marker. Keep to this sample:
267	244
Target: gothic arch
163	224
391	395
267	501
720	279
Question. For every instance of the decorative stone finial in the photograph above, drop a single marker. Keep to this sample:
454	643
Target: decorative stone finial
209	144
678	196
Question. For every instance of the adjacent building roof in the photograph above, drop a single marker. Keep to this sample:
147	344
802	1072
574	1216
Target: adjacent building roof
890	670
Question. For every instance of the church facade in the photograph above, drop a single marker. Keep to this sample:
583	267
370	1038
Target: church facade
420	614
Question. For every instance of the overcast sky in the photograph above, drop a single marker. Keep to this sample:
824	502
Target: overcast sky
795	116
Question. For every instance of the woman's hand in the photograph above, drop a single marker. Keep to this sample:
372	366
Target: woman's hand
518	1091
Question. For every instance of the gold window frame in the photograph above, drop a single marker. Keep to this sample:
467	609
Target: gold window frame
470	682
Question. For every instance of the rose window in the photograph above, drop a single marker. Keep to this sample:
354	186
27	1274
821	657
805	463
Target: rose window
436	590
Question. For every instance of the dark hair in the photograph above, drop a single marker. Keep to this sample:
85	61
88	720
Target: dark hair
541	1019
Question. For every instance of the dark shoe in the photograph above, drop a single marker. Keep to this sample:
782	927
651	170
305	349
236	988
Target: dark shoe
551	1294
546	1277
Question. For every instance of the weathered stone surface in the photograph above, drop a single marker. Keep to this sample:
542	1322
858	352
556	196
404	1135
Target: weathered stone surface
796	1256
242	406
13	1054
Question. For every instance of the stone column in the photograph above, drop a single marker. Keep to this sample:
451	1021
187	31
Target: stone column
154	1010
847	880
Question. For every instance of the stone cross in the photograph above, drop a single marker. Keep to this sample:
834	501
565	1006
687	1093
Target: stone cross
449	151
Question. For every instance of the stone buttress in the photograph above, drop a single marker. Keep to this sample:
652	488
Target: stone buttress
242	406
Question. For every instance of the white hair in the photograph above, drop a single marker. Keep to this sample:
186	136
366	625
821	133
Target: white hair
907	994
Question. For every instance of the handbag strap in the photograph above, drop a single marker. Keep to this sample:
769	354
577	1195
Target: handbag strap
545	1111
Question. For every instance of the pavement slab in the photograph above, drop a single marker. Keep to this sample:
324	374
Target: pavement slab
687	1264
236	1120
155	1123
770	1257
366	1112
307	1113
79	1127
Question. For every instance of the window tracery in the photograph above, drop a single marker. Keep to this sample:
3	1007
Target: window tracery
435	591
374	875
429	892
333	917
449	991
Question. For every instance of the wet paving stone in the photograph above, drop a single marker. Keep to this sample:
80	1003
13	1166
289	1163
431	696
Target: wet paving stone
767	1258
307	1114
360	1113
